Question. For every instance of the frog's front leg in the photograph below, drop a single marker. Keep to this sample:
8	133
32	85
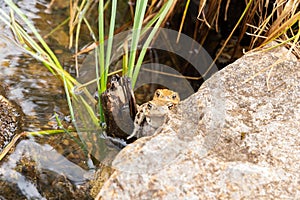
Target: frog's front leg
138	120
135	131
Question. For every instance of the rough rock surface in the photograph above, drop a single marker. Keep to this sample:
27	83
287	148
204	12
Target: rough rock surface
236	138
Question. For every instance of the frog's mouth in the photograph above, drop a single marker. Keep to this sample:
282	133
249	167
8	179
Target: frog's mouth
155	121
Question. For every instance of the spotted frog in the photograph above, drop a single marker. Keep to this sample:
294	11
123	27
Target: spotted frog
151	114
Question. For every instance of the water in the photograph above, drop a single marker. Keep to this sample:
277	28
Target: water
27	81
41	160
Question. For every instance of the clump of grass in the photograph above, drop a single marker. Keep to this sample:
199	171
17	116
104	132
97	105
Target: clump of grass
36	46
133	57
284	29
264	22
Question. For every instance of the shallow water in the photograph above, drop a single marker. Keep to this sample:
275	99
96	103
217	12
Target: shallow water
38	161
27	81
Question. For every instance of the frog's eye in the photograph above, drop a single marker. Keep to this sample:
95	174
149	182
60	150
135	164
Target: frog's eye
149	105
170	106
174	96
157	93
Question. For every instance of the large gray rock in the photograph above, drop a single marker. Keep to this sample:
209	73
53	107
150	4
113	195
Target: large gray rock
237	137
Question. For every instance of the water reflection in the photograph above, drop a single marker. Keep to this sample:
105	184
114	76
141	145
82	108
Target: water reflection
27	81
35	89
39	94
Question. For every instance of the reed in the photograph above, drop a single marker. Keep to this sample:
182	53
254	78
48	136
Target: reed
35	45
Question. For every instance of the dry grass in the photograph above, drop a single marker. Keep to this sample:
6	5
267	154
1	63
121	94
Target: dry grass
265	21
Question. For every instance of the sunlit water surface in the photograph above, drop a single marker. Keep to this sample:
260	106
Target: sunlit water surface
40	95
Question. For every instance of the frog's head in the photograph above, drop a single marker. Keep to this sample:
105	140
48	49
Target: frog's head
166	95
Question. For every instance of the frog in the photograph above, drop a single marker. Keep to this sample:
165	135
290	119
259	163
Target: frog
151	115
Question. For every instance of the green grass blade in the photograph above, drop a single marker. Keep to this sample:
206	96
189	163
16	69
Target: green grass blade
68	96
137	25
161	16
92	115
101	45
34	31
110	37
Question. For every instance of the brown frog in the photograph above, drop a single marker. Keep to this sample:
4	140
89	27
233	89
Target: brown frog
151	115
